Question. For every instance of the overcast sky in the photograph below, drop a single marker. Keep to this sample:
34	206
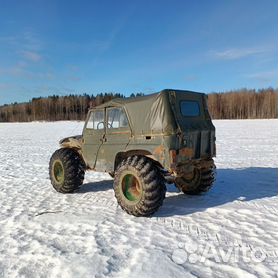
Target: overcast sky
59	47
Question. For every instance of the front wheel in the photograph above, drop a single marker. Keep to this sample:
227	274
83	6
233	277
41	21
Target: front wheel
66	170
139	186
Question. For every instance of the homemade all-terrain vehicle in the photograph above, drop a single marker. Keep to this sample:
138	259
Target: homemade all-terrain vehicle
143	142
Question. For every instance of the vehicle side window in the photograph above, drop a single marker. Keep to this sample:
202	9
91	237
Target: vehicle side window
96	120
116	118
190	108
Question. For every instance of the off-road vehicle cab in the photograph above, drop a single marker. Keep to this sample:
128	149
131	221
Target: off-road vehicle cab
143	142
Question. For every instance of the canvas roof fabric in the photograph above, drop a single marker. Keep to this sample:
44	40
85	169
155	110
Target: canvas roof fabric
151	114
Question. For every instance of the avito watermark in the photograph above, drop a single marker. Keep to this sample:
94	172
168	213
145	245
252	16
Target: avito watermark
194	253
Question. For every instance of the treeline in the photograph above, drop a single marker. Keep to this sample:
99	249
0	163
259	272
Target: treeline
239	104
54	108
244	104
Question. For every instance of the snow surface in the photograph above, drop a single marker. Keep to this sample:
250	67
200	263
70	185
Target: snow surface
86	234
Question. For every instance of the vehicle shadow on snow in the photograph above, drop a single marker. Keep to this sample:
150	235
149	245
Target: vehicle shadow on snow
95	186
231	184
240	185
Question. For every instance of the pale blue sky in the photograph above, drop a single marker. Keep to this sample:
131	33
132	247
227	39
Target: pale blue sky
60	47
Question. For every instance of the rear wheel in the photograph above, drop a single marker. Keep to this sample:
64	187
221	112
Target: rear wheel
66	170
200	180
139	186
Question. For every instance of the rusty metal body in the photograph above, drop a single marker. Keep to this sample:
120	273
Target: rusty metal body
172	127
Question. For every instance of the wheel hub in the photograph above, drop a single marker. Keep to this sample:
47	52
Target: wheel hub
131	187
58	171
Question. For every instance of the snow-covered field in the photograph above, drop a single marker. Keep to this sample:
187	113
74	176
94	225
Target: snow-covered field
231	231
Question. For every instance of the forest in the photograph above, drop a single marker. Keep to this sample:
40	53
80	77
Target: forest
236	104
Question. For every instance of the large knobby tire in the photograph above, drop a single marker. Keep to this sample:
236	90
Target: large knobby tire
139	186
202	181
66	170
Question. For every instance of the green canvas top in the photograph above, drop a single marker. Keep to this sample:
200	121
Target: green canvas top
151	114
